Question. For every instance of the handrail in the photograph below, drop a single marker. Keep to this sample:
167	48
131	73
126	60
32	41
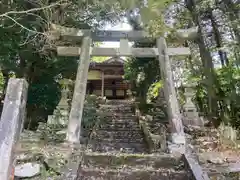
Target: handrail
193	165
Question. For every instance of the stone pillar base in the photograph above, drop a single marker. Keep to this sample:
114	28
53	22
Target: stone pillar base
59	117
178	138
196	121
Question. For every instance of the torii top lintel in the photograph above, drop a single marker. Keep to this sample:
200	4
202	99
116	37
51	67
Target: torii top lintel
77	34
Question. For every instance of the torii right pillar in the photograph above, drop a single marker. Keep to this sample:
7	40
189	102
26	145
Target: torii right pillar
174	115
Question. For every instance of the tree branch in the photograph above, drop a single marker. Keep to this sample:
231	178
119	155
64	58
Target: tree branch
61	2
30	30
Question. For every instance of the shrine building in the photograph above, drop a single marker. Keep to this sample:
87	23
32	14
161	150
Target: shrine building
106	79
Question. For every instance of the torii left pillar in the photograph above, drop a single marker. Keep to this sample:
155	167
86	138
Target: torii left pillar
75	117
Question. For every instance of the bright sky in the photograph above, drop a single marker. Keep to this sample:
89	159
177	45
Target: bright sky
123	26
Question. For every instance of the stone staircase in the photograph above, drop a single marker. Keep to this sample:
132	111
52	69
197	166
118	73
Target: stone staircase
105	166
118	130
118	151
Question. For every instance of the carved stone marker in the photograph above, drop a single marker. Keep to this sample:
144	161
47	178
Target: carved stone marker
11	124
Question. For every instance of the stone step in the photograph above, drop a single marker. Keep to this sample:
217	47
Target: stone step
130	122
118	128
115	110
120	102
116	106
127	109
120	147
119	121
99	139
136	161
120	134
117	115
114	129
144	174
227	169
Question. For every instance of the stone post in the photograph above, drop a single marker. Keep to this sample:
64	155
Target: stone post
75	118
11	124
174	115
191	116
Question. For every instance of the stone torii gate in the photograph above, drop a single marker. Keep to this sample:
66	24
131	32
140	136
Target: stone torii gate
86	51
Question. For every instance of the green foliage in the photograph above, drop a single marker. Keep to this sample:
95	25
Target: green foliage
141	73
27	53
228	94
90	111
99	58
153	90
1	82
144	76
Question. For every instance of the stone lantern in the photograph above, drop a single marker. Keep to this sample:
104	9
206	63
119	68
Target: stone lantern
190	113
65	83
61	113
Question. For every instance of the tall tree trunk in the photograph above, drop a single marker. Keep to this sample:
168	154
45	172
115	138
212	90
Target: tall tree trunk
218	39
207	61
233	13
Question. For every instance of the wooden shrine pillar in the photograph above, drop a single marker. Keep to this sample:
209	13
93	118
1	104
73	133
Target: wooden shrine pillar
75	117
103	84
170	94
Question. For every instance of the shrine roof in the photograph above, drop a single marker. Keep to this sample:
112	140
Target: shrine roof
114	61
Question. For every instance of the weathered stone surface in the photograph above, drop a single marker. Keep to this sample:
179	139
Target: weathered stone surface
11	124
61	113
155	133
124	147
191	161
228	132
190	114
116	130
75	117
27	170
144	174
30	136
173	110
120	126
118	151
60	116
56	156
136	161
